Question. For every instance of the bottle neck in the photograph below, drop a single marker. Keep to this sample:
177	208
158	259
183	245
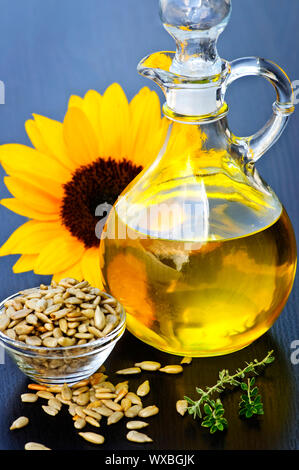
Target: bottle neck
194	100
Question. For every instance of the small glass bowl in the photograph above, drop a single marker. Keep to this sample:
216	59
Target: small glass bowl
61	365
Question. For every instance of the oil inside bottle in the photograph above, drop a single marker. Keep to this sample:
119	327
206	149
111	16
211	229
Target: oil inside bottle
201	298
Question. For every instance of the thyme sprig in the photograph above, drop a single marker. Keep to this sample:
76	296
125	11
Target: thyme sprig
251	401
225	379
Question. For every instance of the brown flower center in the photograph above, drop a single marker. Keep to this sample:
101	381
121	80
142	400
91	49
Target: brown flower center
98	183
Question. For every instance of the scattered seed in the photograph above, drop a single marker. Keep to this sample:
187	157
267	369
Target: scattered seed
50	410
126	404
92	437
133	411
129	371
135	399
92	421
181	406
44	394
186	360
172	369
112	405
29	397
148	365
136	436
148	411
115	417
80	423
37	387
19	423
136	424
35	446
54	403
143	389
66	392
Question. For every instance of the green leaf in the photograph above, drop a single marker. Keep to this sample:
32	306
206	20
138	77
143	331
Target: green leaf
252	381
213	429
189	400
244	386
207	409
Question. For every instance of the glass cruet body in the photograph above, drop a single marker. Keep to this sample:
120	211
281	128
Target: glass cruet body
198	248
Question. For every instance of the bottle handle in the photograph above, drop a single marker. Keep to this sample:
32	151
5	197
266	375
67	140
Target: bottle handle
254	146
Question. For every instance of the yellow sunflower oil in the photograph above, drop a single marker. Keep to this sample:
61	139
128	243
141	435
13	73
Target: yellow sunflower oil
201	298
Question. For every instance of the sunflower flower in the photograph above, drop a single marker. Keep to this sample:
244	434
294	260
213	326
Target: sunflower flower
101	146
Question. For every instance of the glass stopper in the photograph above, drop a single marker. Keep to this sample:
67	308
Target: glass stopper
195	25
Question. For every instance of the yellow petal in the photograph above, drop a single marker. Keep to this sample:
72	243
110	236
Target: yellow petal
19	207
51	133
45	184
90	265
79	137
40	200
145	131
35	136
59	254
30	238
17	158
76	101
25	263
74	272
91	106
115	122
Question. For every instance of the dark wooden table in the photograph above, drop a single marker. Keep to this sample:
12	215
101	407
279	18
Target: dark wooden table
53	48
277	429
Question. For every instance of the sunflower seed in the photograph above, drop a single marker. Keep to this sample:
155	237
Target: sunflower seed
99	319
172	369
20	314
103	410
19	423
148	365
29	397
50	342
65	342
92	421
121	385
113	406
186	360
181	406
92	437
35	446
50	410
83	399
41	305
136	424
92	413
95	332
126	404
10	333
22	329
54	403
105	396
44	394
33	341
80	390
32	319
66	392
129	371
143	389
80	423
148	411
115	417
136	436
134	398
133	411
